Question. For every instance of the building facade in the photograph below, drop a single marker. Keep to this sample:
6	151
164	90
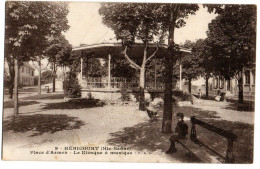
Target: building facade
219	84
26	75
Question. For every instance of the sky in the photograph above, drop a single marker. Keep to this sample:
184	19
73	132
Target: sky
86	25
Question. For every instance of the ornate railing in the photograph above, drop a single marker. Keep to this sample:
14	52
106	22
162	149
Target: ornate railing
116	83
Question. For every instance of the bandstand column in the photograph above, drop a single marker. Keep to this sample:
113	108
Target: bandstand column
180	76
109	72
180	85
251	80
155	71
81	70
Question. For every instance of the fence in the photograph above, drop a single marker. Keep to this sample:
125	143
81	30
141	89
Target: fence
116	83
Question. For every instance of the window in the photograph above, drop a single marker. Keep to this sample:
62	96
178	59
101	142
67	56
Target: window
253	76
228	84
247	77
22	69
221	83
216	82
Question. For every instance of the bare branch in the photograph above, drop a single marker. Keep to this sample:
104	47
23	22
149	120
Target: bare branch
132	63
132	66
157	48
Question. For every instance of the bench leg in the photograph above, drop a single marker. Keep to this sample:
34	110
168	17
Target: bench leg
149	113
193	134
230	155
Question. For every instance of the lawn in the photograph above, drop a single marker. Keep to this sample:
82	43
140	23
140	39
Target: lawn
10	103
49	96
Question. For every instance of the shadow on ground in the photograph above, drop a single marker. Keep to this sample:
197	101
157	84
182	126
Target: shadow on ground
197	112
246	106
10	103
148	136
39	124
79	104
49	96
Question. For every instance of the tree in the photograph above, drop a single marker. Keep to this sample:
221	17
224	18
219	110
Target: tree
120	69
10	80
58	52
46	76
171	17
29	26
96	67
192	66
207	62
131	21
232	37
40	67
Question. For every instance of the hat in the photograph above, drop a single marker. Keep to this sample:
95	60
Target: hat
180	115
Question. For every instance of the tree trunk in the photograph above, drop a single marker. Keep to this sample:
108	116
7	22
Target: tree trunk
53	78
16	79
39	78
240	89
53	83
142	85
64	74
10	63
11	83
207	86
189	85
167	112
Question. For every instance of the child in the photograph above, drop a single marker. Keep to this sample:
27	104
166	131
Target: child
181	131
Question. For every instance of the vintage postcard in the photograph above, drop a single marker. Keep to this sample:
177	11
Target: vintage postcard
129	82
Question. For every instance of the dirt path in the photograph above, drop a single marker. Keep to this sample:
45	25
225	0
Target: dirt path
226	112
52	123
42	127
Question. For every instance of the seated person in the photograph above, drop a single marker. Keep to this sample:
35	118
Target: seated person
181	131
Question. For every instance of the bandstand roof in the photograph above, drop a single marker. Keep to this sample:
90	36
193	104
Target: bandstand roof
101	50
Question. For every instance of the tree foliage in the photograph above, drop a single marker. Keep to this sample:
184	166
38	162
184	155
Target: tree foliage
31	23
232	37
131	21
192	66
96	67
71	86
59	50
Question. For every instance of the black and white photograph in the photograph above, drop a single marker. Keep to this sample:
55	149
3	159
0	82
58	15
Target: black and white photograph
139	82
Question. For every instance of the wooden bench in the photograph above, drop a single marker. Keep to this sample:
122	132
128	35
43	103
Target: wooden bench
200	150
